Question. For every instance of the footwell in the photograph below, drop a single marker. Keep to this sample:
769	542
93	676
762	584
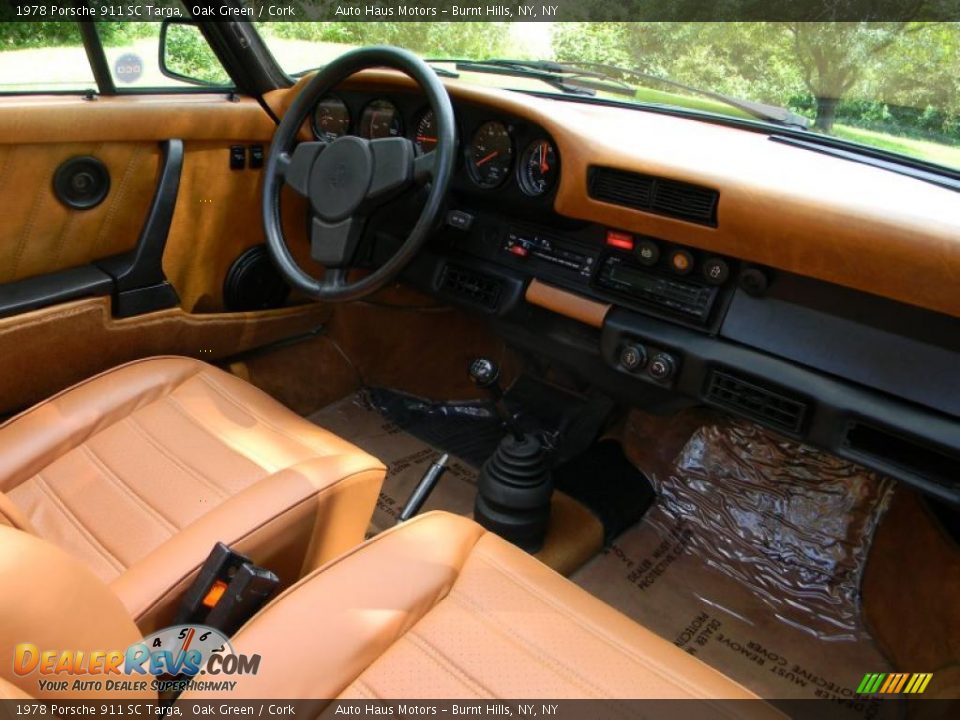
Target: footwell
751	557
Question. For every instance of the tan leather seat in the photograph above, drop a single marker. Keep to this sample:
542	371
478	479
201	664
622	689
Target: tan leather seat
440	608
139	471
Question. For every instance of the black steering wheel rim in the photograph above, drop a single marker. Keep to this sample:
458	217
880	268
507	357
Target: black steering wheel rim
437	166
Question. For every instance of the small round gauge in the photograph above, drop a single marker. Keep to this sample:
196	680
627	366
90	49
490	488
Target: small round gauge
380	119
425	137
331	118
193	645
490	155
538	167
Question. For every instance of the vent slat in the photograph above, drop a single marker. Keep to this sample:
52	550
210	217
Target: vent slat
471	286
654	194
756	401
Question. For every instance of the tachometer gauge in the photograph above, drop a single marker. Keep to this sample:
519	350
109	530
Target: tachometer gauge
490	155
425	138
331	119
380	119
537	171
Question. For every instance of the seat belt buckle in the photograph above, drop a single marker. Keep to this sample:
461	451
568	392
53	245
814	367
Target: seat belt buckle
228	591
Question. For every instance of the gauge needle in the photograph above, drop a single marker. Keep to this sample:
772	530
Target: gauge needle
487	158
424	138
544	166
186	644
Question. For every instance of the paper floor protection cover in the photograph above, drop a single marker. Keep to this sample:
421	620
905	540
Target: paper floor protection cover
406	457
751	556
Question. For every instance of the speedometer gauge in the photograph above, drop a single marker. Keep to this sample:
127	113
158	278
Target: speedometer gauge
425	138
380	119
331	119
490	155
537	171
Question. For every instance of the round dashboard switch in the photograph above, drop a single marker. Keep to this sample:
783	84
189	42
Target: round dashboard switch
661	367
681	261
647	251
633	357
715	271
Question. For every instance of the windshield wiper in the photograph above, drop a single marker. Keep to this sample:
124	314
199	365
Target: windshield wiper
572	82
589	77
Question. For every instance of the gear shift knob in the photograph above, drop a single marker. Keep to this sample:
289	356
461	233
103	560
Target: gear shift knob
484	373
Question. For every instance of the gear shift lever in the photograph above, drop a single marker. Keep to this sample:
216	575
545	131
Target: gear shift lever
515	484
485	374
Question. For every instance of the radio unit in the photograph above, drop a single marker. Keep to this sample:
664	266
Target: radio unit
560	254
690	299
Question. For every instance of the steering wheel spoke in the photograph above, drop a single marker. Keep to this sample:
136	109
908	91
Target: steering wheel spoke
392	166
424	167
334	244
295	168
335	278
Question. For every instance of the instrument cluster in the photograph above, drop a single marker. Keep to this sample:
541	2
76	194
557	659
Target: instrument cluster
500	153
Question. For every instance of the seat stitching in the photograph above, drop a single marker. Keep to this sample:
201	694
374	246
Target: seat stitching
178	406
46	488
591	629
365	689
446	663
503	629
111	475
280	431
142	430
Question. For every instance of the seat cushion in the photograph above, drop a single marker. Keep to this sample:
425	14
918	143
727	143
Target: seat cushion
140	470
440	608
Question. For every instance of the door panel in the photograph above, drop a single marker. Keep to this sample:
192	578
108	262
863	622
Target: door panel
216	217
39	234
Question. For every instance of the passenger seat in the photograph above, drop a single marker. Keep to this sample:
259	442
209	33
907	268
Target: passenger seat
440	608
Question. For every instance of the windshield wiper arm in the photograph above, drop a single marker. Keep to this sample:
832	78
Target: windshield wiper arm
589	77
762	111
573	82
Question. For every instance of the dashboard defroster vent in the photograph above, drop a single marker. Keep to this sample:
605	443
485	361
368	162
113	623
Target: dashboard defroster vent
758	402
654	194
470	286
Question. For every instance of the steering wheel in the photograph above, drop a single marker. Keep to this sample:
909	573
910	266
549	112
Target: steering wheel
347	179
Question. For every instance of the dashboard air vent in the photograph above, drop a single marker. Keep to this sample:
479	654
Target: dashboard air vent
471	286
654	194
758	402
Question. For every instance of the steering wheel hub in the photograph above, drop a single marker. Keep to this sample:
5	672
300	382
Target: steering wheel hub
340	178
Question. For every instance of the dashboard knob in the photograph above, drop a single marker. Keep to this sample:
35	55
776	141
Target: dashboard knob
754	281
633	357
681	261
715	271
647	251
662	367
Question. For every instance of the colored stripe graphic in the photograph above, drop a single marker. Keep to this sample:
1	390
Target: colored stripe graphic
894	683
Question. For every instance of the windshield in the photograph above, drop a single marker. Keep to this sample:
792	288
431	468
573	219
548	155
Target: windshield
892	86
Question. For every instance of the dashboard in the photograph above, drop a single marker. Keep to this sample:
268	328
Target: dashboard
673	262
499	154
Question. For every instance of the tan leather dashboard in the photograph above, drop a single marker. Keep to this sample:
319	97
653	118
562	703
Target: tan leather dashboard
781	206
